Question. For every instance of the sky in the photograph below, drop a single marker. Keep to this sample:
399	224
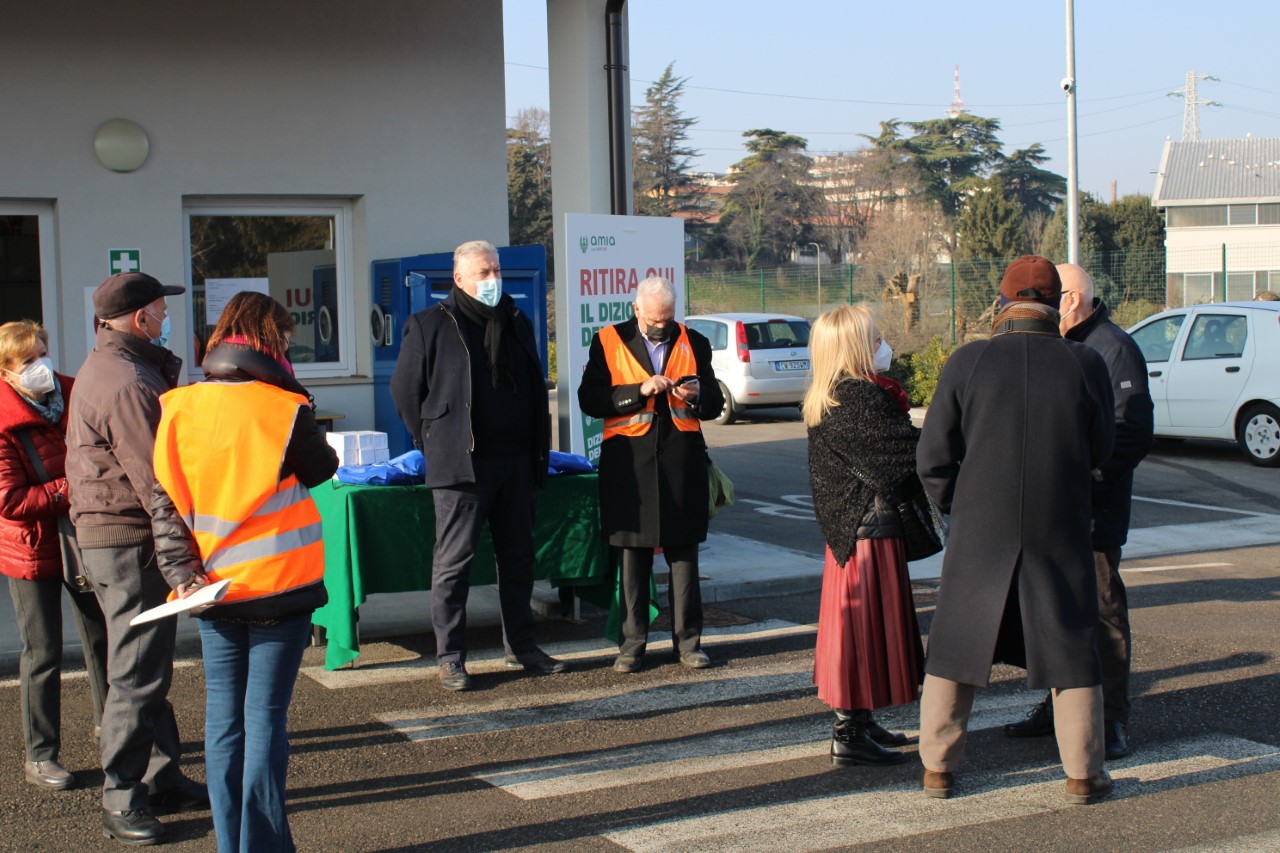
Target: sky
829	70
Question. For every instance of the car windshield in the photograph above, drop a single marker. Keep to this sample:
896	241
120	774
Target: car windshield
1156	339
777	334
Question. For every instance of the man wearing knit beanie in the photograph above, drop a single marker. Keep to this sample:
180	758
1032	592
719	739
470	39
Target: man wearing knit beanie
1015	428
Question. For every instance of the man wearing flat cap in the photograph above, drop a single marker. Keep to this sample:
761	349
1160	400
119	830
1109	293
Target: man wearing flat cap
1016	427
111	431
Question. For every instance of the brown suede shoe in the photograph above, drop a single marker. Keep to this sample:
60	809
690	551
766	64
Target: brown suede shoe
937	783
1084	792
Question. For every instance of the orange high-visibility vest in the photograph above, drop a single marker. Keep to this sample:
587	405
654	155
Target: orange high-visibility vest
625	370
218	454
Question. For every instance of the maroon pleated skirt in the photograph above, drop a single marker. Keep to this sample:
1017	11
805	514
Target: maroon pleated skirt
869	653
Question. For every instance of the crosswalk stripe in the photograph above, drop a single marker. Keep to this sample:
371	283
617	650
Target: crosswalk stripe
781	740
899	810
1244	844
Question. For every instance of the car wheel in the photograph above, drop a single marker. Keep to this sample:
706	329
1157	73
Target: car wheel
729	413
1258	434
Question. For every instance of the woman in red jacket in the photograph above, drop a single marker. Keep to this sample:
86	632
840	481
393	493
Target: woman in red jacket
33	494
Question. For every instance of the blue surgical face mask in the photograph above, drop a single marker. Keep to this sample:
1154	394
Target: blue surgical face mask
489	291
164	329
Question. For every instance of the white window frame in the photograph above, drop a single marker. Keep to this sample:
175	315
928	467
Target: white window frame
341	211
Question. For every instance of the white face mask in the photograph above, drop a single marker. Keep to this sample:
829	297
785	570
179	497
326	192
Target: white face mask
883	357
489	291
36	377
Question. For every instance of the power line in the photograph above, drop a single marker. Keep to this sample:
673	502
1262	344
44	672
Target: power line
930	104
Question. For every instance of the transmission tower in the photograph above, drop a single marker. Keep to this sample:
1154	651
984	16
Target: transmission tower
957	102
1191	109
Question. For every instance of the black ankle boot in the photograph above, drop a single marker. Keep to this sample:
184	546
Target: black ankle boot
852	744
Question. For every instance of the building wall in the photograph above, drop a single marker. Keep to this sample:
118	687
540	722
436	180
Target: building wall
395	107
1195	262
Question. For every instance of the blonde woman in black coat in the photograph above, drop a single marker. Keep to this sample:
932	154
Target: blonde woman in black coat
862	447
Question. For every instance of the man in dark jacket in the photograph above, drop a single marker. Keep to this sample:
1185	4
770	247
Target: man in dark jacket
653	462
111	431
1085	319
469	386
1015	428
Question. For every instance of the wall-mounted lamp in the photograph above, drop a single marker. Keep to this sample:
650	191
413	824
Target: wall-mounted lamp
121	145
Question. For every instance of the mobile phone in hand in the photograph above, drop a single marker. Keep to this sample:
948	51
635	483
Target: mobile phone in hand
685	380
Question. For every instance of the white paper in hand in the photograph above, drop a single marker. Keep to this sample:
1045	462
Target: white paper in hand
202	597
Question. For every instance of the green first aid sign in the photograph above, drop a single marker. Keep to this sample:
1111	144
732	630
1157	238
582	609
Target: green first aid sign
124	260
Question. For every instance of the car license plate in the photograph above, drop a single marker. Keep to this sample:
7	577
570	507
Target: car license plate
798	364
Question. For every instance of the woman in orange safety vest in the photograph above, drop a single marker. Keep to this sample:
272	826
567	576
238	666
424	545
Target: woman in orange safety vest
236	454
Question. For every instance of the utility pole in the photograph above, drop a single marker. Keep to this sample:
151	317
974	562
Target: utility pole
1073	166
1191	108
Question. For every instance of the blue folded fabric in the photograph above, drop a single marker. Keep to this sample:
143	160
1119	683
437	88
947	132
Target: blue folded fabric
407	469
568	463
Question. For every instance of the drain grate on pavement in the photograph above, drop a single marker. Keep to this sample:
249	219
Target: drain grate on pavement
711	618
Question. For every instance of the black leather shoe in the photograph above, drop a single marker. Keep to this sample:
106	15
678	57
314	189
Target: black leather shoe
696	659
48	774
186	796
1117	740
536	660
453	676
1039	722
626	663
136	826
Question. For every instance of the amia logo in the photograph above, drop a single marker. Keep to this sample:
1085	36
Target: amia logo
596	243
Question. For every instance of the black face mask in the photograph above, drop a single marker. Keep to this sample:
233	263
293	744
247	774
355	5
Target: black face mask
659	335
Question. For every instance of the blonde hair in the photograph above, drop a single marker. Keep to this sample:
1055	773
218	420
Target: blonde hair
841	346
18	338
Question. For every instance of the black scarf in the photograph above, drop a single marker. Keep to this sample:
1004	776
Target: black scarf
497	323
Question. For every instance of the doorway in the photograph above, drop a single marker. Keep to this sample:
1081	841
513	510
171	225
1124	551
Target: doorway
20	291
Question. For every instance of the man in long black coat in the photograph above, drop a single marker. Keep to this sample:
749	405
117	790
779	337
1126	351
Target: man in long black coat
468	386
653	461
1015	429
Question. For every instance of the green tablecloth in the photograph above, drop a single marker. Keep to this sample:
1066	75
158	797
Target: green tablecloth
379	539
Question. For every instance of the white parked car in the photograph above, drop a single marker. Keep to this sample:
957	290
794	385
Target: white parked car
760	359
1215	373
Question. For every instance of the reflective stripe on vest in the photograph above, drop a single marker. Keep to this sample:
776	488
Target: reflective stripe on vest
219	450
625	370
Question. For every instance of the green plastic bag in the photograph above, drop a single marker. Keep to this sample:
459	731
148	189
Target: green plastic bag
720	492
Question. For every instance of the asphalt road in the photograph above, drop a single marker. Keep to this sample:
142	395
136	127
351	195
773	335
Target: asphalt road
733	758
1179	483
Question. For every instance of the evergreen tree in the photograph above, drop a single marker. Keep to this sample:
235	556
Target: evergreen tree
772	206
1038	190
660	155
952	154
990	224
529	181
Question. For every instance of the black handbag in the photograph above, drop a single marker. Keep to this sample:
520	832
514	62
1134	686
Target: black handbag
72	564
924	533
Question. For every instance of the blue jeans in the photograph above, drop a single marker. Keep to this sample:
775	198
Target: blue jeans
249	674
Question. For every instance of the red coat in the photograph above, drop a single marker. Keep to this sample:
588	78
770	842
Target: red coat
29	546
